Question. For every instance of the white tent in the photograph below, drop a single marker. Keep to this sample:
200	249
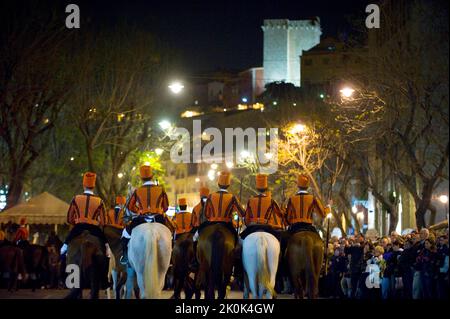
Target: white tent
41	209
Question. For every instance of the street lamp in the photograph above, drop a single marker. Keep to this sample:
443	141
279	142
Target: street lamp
297	128
229	164
164	124
347	92
159	151
444	200
176	87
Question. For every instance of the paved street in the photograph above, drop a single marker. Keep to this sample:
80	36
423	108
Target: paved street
60	293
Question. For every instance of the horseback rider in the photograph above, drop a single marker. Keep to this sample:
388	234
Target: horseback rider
301	206
115	216
148	203
262	210
198	218
182	219
219	206
87	212
198	213
22	233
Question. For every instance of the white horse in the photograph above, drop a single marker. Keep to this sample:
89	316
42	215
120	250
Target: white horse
260	253
149	254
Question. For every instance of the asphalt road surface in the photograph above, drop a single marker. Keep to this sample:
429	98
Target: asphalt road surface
61	293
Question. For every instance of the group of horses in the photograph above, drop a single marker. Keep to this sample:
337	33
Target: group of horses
152	253
24	263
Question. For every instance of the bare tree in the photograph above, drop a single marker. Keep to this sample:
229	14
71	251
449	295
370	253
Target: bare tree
115	102
33	89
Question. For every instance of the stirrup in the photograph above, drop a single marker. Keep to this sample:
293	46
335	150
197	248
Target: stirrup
123	260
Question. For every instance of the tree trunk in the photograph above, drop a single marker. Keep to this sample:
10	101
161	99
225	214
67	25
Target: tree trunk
424	203
15	187
393	218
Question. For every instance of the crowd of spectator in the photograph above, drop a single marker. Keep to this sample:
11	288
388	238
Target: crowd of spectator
412	266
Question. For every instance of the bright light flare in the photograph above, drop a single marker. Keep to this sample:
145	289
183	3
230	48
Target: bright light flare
165	125
176	87
443	199
347	92
297	128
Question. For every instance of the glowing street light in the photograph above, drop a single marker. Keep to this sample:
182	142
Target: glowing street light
347	92
245	154
443	199
165	125
197	180
120	175
297	128
72	158
229	164
214	166
176	87
159	151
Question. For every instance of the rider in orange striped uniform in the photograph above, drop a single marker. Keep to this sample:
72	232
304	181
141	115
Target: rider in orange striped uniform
22	233
301	206
183	218
220	205
115	215
86	212
148	203
262	210
198	214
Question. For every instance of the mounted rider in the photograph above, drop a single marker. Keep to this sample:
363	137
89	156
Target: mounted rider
86	212
148	204
219	206
22	233
198	213
182	219
301	206
115	216
263	212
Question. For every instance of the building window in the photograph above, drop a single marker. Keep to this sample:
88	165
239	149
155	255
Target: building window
308	62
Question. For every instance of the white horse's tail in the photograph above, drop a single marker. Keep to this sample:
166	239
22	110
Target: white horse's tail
260	257
151	273
262	265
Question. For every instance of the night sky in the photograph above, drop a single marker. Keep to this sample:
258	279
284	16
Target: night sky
219	34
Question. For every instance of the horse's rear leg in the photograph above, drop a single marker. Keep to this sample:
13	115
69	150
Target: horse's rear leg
222	289
178	286
209	289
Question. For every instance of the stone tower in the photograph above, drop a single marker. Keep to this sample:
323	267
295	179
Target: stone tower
284	42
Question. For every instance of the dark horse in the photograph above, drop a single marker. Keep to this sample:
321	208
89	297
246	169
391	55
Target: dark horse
118	271
215	253
182	257
36	263
87	253
11	265
304	256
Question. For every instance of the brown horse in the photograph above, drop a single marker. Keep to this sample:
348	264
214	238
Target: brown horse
11	265
118	271
215	253
304	257
36	263
87	253
182	257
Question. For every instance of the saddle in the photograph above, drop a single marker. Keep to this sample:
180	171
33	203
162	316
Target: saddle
301	227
